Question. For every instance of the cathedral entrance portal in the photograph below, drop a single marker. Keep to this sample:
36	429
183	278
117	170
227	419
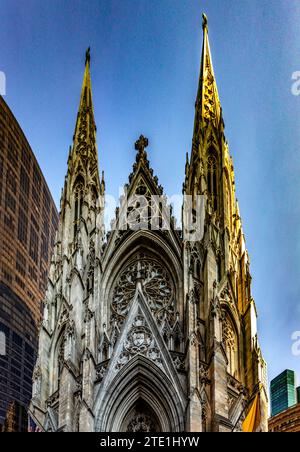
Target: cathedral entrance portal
140	398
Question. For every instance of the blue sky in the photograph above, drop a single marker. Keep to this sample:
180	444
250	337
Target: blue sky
145	66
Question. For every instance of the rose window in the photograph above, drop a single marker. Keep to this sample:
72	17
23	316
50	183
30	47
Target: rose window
157	287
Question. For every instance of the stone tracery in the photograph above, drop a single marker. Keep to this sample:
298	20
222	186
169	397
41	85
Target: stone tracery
141	423
156	283
231	346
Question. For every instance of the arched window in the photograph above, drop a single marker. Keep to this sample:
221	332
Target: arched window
212	180
79	194
231	346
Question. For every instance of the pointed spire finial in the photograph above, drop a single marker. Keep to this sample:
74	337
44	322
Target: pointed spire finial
204	22
207	103
88	56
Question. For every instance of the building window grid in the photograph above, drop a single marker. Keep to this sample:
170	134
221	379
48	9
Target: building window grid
29	177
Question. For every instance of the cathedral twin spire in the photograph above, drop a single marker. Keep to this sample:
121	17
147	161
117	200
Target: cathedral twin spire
84	140
83	155
207	106
86	110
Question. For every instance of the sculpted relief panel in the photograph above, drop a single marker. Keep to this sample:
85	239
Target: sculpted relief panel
140	341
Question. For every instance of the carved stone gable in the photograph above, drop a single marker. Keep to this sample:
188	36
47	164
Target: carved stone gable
140	336
140	340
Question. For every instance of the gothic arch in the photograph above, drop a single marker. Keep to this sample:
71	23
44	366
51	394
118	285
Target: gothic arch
80	180
147	239
78	190
149	243
57	349
140	381
229	309
232	346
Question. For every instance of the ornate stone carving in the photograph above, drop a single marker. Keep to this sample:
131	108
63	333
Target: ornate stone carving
157	287
64	317
37	381
230	343
141	424
100	371
141	144
234	384
204	409
70	329
78	388
92	264
88	315
229	336
139	341
193	339
225	295
204	375
179	363
53	399
194	294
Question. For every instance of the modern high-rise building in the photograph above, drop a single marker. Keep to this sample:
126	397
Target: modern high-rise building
28	223
283	392
149	329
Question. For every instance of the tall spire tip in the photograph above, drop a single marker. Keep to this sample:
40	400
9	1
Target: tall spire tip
204	22
88	56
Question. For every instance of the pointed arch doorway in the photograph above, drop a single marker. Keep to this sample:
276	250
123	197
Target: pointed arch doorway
140	399
141	390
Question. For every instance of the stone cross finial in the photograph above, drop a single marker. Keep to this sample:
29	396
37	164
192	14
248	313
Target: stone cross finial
141	144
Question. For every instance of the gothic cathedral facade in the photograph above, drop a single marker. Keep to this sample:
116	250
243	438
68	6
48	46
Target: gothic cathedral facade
144	331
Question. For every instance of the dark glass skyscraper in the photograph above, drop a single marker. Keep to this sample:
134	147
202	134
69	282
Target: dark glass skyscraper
283	392
28	222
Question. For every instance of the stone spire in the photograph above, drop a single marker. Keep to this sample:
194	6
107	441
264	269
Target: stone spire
207	103
84	140
83	192
208	126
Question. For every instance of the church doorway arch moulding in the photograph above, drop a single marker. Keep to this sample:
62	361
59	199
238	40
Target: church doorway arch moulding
141	398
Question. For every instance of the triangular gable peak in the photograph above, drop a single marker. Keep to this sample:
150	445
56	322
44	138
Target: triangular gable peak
143	206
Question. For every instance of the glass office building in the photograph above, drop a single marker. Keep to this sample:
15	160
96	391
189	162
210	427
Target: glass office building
17	361
283	392
28	223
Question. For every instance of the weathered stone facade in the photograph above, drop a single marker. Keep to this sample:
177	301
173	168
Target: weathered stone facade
144	330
